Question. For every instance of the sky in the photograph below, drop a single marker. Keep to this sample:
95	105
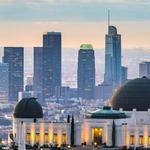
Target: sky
22	22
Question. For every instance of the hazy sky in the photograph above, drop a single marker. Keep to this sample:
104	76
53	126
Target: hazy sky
22	22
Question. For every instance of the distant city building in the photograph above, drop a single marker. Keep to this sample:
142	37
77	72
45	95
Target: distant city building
29	87
14	56
144	69
113	57
104	91
28	94
51	63
29	80
62	93
73	92
124	76
86	72
4	86
98	92
38	64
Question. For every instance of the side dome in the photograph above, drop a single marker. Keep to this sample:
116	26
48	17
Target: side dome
28	108
134	94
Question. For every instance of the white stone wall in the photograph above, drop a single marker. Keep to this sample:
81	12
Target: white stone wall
78	134
137	123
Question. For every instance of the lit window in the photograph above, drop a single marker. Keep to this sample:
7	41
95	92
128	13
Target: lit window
28	137
46	138
97	135
131	139
64	138
141	140
55	138
148	140
37	138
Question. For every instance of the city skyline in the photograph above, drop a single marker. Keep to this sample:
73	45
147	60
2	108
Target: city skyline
75	74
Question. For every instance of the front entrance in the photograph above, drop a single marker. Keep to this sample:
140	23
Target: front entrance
97	134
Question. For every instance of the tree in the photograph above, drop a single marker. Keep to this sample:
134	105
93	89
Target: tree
68	119
113	134
72	132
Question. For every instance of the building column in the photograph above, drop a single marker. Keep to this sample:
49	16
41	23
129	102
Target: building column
109	135
68	133
136	135
32	133
146	136
126	136
59	137
50	134
42	133
105	134
119	136
22	138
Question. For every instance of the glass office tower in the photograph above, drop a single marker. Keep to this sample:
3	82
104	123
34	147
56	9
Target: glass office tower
113	57
86	72
51	63
14	57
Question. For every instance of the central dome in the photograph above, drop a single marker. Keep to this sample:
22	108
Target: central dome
28	108
106	113
133	94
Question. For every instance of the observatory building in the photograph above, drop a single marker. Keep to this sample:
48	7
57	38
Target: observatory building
126	122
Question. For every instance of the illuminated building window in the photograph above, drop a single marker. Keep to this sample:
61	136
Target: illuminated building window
148	140
141	140
55	138
46	137
97	134
28	137
37	138
64	138
131	139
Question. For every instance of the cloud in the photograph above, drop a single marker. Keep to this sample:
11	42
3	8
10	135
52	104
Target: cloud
69	2
73	10
6	2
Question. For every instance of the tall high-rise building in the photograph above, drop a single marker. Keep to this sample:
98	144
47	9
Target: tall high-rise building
28	80
86	72
51	63
14	56
144	69
113	57
38	71
124	76
4	82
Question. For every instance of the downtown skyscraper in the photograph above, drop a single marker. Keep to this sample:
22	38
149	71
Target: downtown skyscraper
14	57
112	57
51	63
38	69
4	86
86	72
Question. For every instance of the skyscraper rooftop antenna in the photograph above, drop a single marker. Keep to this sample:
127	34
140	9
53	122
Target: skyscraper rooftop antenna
108	17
